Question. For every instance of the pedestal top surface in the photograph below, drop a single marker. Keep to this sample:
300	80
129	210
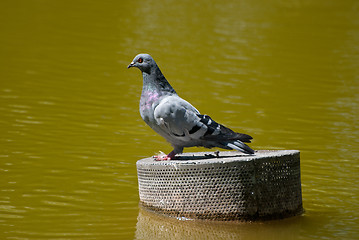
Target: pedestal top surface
217	157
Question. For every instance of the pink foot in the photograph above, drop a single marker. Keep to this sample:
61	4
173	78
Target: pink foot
164	157
161	158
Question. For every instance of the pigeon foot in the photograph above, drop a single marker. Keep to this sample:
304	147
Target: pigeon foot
161	158
164	157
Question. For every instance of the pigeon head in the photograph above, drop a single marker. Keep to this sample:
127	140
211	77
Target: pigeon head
144	62
152	75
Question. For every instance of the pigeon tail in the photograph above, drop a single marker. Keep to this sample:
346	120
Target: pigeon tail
239	146
218	132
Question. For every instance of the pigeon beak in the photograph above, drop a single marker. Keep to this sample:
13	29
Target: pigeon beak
131	65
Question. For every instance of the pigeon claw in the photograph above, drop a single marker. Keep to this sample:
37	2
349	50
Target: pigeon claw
162	158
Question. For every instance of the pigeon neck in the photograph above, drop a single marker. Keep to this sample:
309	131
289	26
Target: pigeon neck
155	81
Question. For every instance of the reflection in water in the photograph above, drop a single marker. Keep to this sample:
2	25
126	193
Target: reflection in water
153	226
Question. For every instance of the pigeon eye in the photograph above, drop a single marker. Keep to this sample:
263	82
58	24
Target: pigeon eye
140	60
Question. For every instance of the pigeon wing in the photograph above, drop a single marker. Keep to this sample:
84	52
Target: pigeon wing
179	119
183	122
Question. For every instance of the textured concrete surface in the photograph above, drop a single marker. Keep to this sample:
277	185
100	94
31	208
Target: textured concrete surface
224	186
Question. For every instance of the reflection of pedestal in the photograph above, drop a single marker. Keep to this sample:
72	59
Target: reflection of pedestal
231	186
155	226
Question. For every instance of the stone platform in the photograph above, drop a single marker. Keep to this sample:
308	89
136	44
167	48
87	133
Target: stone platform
228	186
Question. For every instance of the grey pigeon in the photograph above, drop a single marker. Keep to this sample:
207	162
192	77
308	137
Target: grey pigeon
177	120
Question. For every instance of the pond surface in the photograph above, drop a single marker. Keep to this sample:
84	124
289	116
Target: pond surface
285	72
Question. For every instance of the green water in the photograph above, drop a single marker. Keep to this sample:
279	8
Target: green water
285	72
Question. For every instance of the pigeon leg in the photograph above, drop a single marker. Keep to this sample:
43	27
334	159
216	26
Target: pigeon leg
170	156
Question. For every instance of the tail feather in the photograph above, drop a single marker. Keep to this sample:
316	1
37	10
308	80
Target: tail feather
220	136
243	137
216	131
239	146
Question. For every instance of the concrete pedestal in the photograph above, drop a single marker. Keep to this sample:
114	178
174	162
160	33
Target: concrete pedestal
230	186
